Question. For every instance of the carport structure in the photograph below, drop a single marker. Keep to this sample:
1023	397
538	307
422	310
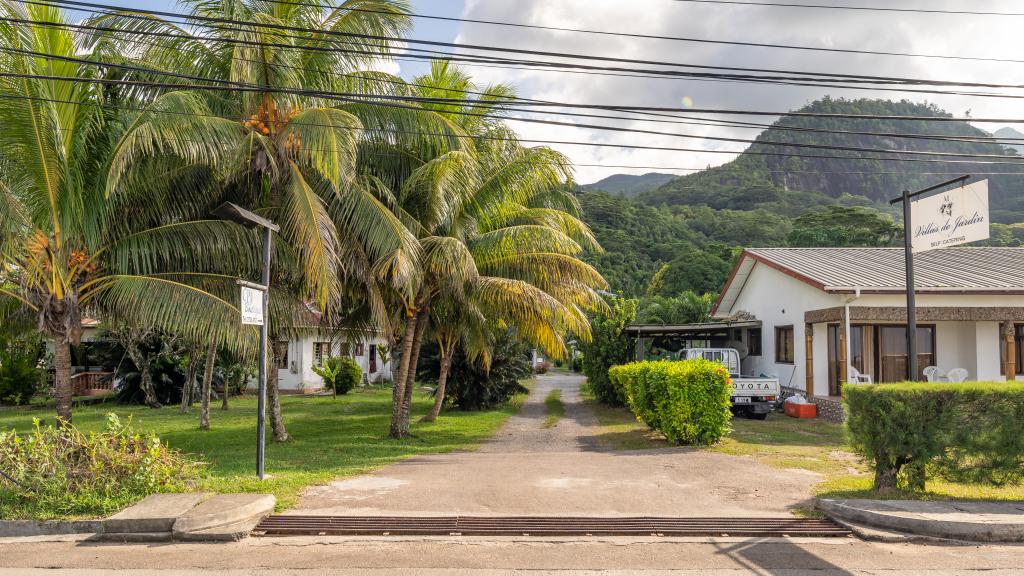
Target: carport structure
656	341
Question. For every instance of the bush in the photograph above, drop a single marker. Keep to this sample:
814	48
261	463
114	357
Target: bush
471	386
20	375
686	401
968	432
340	374
542	368
608	347
62	472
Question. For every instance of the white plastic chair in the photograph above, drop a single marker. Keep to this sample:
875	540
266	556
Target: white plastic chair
957	375
855	376
935	374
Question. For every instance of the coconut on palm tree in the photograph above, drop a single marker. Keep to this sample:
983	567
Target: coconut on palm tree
90	227
294	160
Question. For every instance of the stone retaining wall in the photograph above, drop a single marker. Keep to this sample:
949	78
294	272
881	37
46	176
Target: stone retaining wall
828	409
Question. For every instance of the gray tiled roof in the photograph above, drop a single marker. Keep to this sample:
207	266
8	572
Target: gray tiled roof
968	269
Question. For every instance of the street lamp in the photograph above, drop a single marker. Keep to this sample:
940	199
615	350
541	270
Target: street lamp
235	213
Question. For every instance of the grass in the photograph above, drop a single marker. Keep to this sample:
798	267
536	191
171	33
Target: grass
331	438
555	408
783	442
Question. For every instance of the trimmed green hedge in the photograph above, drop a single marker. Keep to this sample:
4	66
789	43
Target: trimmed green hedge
971	432
686	401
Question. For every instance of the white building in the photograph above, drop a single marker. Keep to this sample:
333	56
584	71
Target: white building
808	314
297	356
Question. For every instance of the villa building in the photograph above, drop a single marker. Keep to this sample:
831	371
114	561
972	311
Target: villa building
815	317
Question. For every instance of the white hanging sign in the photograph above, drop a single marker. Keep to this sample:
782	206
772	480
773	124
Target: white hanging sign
959	216
252	306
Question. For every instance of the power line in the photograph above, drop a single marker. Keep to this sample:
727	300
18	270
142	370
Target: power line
501	107
573	68
591	144
226	85
660	37
478	47
859	8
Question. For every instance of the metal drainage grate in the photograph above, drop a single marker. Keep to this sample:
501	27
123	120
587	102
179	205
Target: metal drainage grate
544	526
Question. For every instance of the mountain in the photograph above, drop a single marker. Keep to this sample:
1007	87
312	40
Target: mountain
1014	134
769	196
631	185
773	177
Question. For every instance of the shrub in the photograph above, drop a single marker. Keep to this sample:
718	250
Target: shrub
607	347
19	370
340	374
686	401
471	385
542	368
62	472
968	432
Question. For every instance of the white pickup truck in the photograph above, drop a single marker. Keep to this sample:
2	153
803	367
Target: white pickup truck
751	397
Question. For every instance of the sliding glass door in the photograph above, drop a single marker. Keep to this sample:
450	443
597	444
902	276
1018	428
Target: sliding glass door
878	351
893	352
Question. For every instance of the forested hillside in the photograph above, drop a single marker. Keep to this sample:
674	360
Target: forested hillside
686	234
630	184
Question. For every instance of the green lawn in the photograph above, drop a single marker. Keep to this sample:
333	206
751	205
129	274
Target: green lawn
785	442
331	438
555	408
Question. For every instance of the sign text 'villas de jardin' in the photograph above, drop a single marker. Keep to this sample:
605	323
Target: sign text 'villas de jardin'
959	216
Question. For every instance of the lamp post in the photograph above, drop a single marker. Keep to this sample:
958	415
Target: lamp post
235	213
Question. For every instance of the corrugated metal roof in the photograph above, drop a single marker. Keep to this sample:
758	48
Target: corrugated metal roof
961	269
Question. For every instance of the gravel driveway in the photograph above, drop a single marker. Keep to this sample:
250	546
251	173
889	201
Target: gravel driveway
530	470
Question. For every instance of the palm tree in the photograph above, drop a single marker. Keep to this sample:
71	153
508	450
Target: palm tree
294	160
497	225
87	227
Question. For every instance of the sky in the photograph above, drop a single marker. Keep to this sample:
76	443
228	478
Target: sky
960	35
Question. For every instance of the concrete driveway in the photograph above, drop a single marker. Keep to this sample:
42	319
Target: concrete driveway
529	470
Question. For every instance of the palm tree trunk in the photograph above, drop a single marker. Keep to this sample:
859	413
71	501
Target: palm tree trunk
187	390
410	381
142	364
211	360
227	391
442	380
62	390
278	431
398	392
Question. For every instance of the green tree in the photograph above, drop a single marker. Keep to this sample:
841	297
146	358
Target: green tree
293	157
609	346
497	225
686	308
697	271
85	225
843	226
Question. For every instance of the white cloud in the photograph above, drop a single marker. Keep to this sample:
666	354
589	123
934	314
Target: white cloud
920	33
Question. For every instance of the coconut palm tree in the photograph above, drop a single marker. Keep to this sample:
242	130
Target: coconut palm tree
497	225
86	227
294	160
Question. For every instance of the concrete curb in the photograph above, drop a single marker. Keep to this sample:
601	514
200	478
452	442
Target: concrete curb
888	516
23	528
196	517
224	510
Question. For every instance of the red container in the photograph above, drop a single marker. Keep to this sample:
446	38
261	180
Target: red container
801	410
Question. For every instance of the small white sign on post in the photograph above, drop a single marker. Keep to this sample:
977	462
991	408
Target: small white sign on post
959	216
252	306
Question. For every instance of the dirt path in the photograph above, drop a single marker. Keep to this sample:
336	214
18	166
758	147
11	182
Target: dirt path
527	469
525	432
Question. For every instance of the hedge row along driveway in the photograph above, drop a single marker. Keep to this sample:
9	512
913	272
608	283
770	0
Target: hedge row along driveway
686	401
